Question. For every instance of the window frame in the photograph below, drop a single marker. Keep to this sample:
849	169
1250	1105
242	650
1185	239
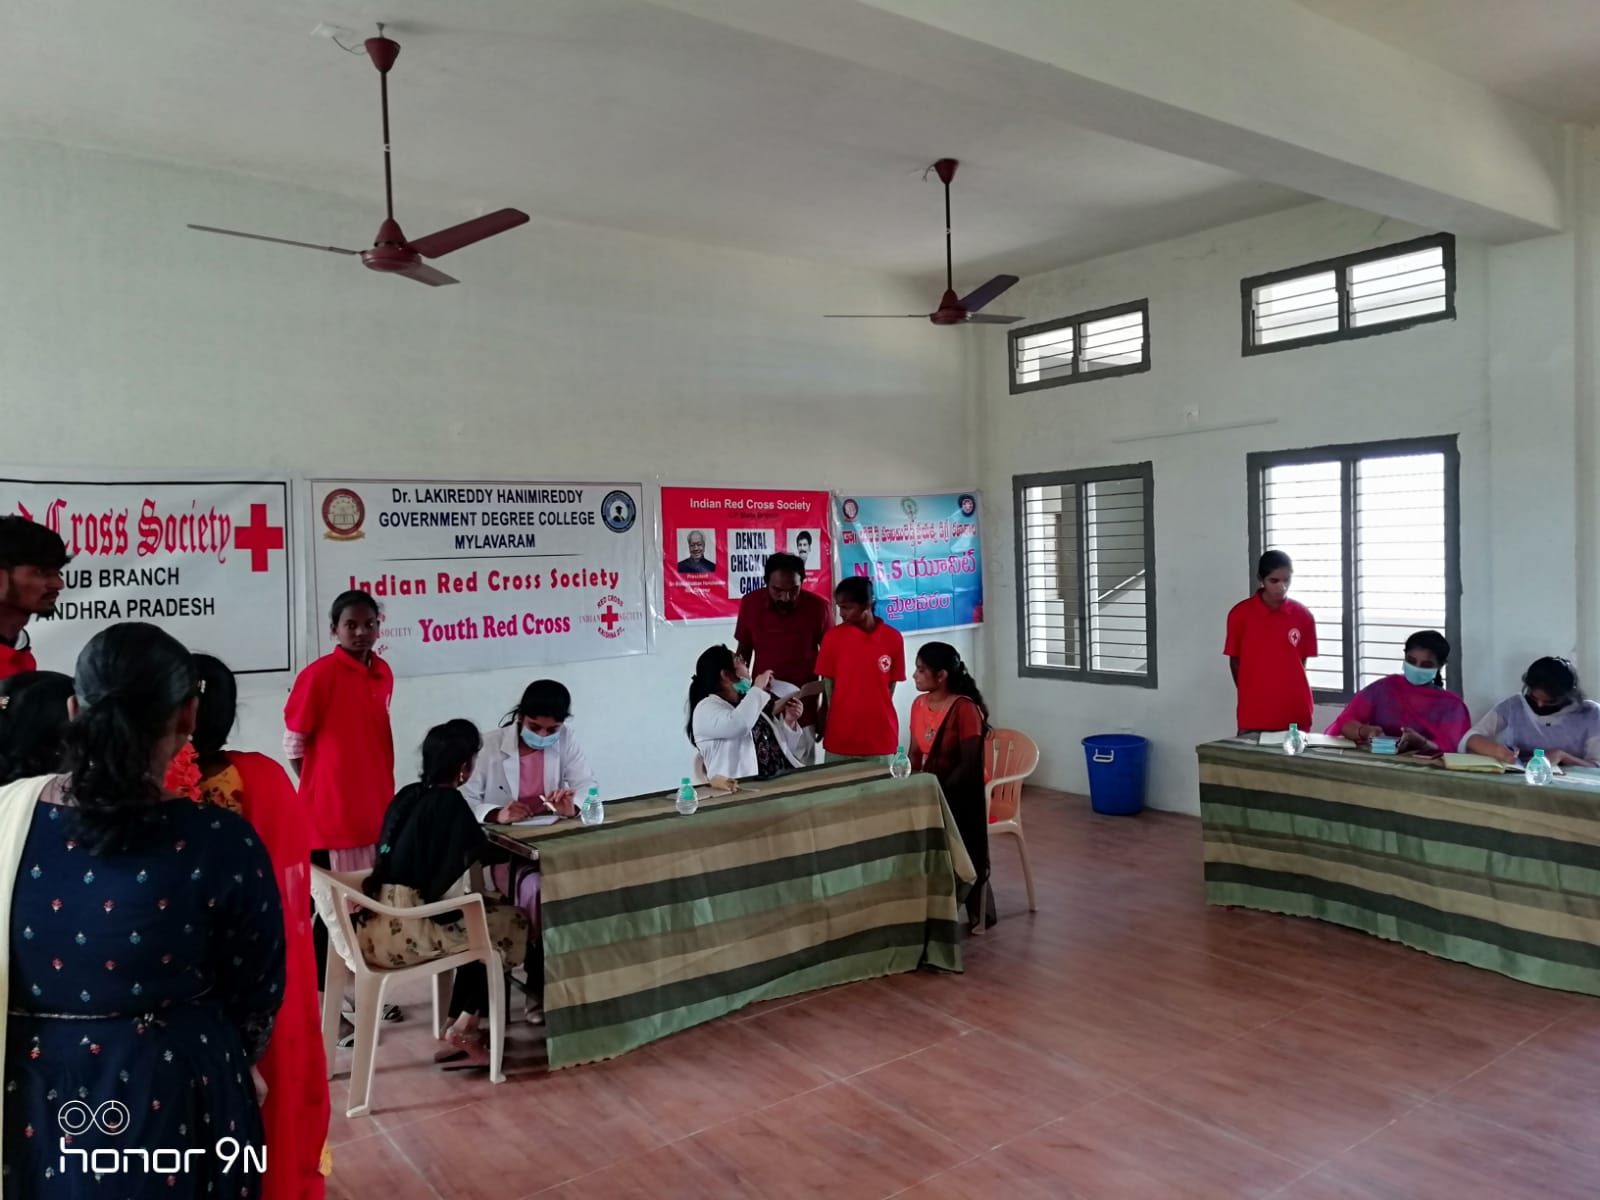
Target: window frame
1076	322
1340	267
1144	472
1348	455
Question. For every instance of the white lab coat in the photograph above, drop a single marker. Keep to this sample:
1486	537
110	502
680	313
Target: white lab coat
497	778
722	735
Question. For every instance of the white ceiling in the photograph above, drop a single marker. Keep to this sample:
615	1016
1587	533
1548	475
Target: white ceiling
607	112
1544	53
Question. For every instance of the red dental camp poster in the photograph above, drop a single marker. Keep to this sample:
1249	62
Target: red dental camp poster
715	542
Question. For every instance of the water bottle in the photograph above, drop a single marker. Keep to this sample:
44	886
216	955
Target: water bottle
900	764
1539	771
591	811
1294	742
687	800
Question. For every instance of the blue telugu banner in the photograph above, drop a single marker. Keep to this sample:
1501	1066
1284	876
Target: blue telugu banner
924	554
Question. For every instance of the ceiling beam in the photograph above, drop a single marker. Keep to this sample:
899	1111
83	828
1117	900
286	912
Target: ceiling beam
1265	88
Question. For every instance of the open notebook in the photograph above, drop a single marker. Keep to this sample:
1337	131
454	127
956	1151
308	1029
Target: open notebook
1320	741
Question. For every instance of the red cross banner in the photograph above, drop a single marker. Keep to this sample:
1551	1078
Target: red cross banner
476	576
208	561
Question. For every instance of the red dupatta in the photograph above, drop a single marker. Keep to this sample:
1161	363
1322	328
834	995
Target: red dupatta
296	1109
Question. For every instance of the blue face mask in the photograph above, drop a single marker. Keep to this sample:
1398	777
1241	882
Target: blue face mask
540	741
1420	676
742	687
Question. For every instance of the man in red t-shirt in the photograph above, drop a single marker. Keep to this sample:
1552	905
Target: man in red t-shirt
1270	637
861	660
781	626
31	561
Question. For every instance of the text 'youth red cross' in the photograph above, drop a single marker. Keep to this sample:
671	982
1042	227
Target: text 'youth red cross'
258	537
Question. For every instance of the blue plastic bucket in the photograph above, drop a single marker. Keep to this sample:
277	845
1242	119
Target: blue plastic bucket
1116	773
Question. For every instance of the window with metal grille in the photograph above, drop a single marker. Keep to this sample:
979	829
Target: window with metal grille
1378	291
1086	575
1373	531
1091	345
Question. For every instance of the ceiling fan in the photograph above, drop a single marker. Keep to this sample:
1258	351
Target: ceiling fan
391	252
952	311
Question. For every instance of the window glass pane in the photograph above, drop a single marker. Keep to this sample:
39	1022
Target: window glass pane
1300	514
1400	558
1114	342
1050	576
1295	308
1398	288
1043	356
1115	525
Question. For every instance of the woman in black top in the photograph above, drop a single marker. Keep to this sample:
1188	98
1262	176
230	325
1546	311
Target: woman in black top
429	841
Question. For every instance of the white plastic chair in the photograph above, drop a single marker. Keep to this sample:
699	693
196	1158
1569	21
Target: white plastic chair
336	894
1012	757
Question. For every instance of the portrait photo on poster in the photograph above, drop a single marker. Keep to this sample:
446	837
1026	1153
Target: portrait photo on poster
805	545
697	552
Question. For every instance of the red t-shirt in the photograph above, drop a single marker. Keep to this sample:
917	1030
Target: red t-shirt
1272	645
863	667
14	660
784	643
347	780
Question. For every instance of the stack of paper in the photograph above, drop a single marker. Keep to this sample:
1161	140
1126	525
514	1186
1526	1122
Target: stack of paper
1474	762
1319	741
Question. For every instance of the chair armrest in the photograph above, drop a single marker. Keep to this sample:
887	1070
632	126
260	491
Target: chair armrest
449	904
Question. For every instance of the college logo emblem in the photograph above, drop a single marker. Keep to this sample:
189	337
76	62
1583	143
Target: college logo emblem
343	514
909	507
1294	637
619	512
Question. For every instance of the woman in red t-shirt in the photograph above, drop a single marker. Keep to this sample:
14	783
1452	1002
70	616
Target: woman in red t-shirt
860	661
337	738
949	722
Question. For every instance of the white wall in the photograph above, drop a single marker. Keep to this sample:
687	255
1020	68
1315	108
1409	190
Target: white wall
567	353
1501	376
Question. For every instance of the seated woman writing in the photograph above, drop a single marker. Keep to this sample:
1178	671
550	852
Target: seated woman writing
429	840
1551	714
1412	706
731	720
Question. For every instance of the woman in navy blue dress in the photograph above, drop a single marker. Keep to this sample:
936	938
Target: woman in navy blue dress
146	953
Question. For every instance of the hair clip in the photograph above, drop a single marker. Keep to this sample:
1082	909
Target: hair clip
5	701
200	688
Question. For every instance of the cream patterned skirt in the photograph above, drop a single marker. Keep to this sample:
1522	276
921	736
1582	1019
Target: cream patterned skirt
403	941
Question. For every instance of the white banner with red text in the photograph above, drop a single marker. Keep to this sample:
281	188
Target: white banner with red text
207	560
476	576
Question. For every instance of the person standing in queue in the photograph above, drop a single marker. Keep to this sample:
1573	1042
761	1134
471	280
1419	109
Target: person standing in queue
338	740
860	661
781	627
1270	637
31	560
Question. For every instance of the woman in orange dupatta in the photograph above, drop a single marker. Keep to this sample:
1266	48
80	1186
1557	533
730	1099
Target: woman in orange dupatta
295	1111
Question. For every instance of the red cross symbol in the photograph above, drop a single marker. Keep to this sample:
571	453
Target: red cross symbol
258	537
609	618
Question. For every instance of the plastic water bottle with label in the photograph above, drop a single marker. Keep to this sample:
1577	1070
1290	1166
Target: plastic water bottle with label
591	811
900	764
687	800
1294	742
1539	772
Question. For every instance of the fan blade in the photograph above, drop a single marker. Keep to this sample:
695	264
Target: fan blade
436	245
990	319
261	237
980	296
431	276
876	316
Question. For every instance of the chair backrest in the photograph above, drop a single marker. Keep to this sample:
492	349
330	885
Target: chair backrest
334	892
1013	756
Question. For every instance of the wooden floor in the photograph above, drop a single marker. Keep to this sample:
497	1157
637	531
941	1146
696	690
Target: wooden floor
1123	1043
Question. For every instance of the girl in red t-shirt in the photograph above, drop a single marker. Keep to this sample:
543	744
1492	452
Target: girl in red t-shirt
949	722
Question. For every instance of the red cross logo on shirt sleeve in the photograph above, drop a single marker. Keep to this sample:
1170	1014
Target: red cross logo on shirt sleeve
258	537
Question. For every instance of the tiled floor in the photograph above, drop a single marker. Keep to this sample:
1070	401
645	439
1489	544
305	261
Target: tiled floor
1124	1043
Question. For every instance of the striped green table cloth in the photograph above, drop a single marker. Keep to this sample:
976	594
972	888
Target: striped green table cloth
653	922
1481	869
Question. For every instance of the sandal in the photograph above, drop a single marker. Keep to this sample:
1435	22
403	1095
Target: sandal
391	1012
474	1054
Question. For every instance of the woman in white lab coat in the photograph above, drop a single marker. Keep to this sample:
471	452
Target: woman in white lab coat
732	721
532	763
